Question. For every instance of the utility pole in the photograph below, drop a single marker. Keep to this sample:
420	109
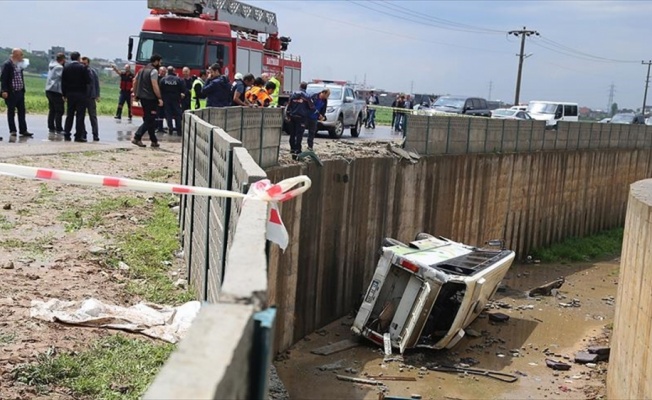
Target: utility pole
522	33
647	83
491	84
611	97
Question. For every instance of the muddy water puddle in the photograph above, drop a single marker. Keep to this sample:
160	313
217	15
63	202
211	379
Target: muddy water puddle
537	326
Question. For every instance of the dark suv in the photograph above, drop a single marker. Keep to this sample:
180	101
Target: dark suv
460	105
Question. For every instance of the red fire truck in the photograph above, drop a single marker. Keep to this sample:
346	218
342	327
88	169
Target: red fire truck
198	33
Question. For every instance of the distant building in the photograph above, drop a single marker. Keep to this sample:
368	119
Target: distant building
54	50
40	53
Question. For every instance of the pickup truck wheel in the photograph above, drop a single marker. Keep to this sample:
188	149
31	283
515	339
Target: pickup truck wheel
338	130
355	130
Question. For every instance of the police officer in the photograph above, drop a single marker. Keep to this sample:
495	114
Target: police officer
173	91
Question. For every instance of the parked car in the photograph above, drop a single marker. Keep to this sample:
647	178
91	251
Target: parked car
553	112
459	105
510	113
628	118
520	107
604	121
343	111
425	293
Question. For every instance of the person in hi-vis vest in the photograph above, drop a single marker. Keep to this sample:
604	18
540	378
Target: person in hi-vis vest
197	86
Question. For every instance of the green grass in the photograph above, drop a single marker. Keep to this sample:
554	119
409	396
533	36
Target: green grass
115	367
589	248
158	175
35	247
7	338
37	103
5	224
147	250
93	216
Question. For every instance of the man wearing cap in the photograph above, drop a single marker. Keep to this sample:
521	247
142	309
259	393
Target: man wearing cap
173	91
12	90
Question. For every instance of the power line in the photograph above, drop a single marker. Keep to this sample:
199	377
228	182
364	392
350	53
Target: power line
523	33
440	22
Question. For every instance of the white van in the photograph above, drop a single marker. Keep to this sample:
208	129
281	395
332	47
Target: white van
423	294
553	111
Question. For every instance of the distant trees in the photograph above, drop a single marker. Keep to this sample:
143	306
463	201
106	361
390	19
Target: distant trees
614	109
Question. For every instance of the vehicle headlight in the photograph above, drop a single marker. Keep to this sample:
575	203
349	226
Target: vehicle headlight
330	110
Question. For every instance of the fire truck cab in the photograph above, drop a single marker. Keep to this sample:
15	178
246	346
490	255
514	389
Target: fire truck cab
198	33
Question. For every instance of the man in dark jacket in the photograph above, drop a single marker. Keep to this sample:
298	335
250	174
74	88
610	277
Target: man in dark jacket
297	112
173	91
320	100
187	80
74	86
12	90
217	89
147	91
93	96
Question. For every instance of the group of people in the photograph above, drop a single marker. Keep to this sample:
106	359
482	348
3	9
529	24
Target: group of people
164	96
71	87
305	111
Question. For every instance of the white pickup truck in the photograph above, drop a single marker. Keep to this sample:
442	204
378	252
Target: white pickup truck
425	293
343	109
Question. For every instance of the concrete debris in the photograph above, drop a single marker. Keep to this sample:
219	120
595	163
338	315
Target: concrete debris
122	266
546	290
472	333
498	317
332	366
8	265
602	352
584	357
572	303
181	283
97	250
557	365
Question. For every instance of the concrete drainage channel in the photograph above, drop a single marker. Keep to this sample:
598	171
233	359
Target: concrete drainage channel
502	357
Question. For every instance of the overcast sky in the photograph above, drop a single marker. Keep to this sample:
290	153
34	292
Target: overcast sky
455	47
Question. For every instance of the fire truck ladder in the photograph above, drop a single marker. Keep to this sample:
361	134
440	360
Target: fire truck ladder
242	17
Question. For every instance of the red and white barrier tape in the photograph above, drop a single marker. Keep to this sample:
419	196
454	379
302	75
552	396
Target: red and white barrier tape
262	190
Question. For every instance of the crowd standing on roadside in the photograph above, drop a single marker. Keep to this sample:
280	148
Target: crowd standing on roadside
73	89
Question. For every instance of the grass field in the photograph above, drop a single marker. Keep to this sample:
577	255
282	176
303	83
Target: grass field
37	103
607	243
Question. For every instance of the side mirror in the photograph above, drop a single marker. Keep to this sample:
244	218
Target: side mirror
130	49
348	99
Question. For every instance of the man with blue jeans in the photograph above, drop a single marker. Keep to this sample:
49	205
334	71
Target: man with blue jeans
320	101
371	111
12	90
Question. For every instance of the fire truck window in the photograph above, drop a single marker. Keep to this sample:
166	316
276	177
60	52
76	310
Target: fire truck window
218	53
174	53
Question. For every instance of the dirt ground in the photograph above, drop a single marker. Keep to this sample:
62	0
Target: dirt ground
537	329
41	259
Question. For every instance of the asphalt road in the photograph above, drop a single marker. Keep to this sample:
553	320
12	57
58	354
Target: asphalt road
112	131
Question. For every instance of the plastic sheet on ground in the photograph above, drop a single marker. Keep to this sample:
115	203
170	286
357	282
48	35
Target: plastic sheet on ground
156	321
